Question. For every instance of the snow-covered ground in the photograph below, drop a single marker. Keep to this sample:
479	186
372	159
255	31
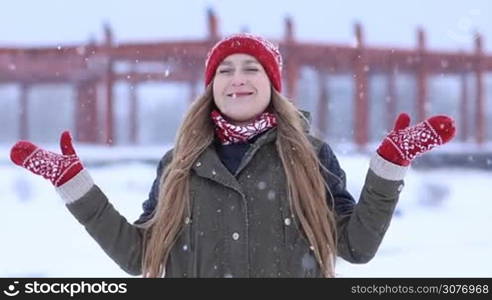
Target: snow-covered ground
442	227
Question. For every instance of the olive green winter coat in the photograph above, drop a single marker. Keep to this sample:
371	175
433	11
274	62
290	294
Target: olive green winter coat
241	224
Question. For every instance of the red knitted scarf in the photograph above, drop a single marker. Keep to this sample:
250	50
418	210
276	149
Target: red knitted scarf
229	133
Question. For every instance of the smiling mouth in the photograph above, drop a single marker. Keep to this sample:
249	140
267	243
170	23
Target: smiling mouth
239	94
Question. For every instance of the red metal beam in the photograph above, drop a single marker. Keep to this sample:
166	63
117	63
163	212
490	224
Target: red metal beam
86	116
162	77
133	109
322	105
361	105
24	112
391	100
69	63
422	101
464	108
480	93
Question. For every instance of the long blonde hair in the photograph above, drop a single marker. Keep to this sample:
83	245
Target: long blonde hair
305	184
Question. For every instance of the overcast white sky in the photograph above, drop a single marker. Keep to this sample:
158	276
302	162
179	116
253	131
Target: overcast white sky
449	24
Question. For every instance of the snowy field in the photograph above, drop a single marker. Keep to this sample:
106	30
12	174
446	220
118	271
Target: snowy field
442	227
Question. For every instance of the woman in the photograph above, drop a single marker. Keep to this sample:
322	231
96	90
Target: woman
246	191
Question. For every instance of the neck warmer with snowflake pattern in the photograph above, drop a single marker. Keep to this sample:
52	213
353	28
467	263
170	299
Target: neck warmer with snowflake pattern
229	133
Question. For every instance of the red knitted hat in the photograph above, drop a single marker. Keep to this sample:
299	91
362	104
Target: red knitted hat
264	51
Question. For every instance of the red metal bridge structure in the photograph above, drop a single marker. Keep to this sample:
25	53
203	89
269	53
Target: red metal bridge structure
90	66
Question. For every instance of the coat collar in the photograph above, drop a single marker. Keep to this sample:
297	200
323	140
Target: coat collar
208	164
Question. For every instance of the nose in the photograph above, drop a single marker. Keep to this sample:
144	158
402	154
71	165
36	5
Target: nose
238	80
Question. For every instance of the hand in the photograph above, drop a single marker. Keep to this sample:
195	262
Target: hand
404	143
57	168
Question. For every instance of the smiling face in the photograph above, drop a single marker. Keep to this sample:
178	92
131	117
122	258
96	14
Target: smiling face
241	88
